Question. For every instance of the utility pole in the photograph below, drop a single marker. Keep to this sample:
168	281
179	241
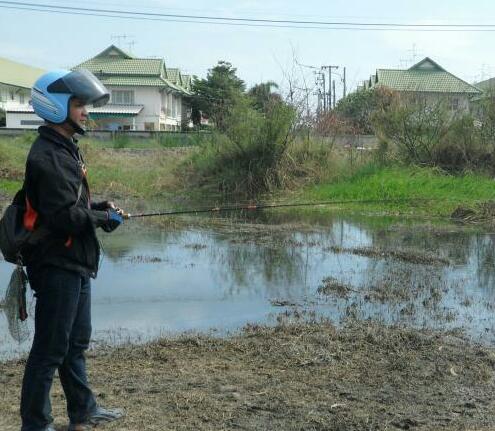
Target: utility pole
329	67
333	93
319	92
324	92
345	85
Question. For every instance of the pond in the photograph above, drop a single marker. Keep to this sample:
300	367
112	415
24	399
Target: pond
218	274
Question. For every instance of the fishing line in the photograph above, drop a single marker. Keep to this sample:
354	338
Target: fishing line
255	207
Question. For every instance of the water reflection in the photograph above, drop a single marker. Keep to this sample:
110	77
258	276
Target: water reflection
225	272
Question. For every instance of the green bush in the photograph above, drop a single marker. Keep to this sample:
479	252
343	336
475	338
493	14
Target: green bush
431	135
415	129
250	156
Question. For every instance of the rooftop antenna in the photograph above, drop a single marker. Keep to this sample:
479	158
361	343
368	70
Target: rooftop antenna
414	53
403	63
120	37
131	45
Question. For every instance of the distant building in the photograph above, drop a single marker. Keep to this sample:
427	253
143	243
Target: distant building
426	81
145	94
16	80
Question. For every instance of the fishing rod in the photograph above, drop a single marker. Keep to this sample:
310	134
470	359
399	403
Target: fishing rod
256	207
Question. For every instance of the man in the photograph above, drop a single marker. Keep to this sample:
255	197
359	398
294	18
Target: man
61	264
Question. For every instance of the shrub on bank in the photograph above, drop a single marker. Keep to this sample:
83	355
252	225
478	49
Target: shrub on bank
432	135
251	155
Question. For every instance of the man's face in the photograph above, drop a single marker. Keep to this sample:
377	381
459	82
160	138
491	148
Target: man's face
78	112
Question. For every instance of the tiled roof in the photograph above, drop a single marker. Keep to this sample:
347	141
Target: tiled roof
116	67
123	66
173	75
426	76
187	81
18	74
134	81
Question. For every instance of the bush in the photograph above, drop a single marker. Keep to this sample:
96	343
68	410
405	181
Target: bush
357	108
250	156
461	148
415	129
431	135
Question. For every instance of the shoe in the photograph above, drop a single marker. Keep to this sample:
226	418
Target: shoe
100	416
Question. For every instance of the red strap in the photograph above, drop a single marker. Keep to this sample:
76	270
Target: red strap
30	216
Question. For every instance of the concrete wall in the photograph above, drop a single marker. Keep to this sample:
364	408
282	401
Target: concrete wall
23	120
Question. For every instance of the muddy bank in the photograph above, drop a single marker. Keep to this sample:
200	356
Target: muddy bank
296	376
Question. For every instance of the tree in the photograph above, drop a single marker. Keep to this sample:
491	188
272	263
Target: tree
263	96
359	106
215	95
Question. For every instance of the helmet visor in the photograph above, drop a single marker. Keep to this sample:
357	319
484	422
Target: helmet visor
83	85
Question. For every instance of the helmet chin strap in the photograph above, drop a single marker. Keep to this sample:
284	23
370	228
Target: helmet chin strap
77	128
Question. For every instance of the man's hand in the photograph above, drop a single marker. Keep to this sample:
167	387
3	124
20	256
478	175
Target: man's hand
114	220
118	210
109	205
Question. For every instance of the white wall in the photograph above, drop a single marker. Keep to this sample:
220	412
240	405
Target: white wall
162	108
12	94
150	98
16	120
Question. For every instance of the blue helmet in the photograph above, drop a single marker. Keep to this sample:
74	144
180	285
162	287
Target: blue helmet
52	92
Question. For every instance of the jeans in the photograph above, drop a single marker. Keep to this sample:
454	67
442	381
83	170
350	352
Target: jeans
62	334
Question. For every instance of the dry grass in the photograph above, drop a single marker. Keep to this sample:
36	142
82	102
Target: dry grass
296	376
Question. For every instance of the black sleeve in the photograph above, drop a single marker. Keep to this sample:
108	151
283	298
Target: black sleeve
100	206
55	183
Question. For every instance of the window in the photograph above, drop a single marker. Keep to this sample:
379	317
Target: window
123	97
454	104
149	127
21	98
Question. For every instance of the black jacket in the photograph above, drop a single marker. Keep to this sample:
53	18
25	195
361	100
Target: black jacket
58	192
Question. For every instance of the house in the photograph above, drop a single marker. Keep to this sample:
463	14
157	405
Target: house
427	82
16	80
144	93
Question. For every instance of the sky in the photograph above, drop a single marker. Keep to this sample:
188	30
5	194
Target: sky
51	40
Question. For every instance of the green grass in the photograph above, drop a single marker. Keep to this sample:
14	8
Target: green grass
165	140
148	174
9	187
443	192
113	173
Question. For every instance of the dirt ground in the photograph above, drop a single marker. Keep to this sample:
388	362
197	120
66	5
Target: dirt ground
295	376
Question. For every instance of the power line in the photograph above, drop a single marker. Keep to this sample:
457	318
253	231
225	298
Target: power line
249	22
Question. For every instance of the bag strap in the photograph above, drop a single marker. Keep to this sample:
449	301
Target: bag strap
79	193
